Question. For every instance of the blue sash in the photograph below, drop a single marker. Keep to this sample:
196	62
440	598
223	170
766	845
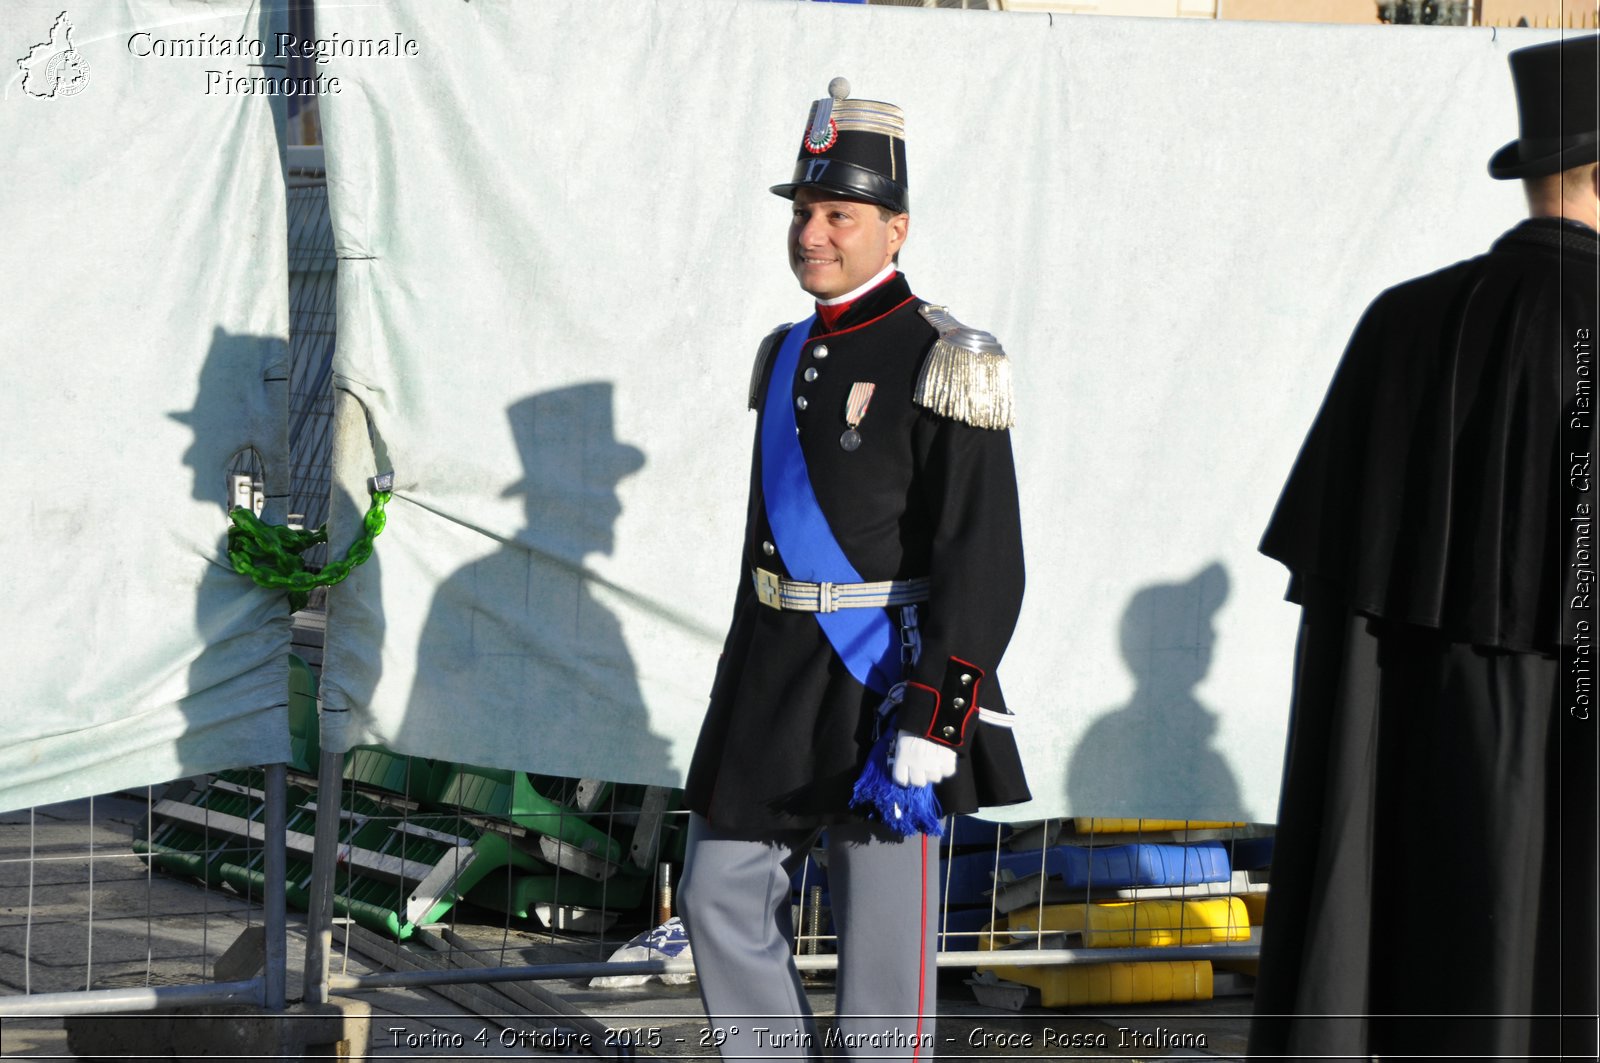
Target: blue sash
866	640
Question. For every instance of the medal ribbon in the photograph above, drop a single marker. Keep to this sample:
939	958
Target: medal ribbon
855	407
866	640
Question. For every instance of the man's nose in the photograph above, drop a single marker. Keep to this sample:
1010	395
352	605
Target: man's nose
810	232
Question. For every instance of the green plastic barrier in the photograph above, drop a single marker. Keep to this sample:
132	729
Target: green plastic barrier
416	836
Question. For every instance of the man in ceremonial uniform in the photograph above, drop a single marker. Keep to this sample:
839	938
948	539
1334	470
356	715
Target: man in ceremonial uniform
879	582
1433	888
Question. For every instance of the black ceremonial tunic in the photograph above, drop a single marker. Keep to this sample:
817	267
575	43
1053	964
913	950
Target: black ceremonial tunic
788	728
1436	843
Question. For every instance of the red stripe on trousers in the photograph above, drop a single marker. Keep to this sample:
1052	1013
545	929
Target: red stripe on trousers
922	952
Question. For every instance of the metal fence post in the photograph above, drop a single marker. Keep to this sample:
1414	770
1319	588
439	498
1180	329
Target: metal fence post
324	859
273	865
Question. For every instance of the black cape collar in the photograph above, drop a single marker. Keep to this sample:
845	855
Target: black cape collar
1551	234
1448	378
880	300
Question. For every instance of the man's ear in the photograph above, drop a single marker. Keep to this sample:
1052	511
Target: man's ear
899	229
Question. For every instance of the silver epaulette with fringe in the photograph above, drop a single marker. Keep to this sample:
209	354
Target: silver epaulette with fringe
966	376
763	352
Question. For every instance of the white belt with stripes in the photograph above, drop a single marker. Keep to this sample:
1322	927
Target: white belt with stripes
777	592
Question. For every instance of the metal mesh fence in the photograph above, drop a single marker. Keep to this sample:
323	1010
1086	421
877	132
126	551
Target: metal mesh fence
81	910
313	279
445	881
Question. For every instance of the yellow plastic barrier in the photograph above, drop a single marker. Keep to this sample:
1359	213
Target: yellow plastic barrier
1114	983
1123	924
1135	826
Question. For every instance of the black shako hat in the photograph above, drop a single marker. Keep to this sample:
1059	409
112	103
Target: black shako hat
854	148
1556	109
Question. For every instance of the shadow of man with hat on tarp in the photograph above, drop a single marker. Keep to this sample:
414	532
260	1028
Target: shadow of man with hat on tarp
518	640
1434	877
1155	756
234	620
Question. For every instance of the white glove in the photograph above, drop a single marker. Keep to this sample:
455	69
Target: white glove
918	762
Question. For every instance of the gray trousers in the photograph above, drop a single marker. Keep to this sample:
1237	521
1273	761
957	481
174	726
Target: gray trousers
734	899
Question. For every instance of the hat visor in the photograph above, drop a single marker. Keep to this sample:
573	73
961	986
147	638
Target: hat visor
842	191
1508	162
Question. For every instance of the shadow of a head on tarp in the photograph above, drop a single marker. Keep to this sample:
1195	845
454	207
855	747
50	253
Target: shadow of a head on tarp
1156	756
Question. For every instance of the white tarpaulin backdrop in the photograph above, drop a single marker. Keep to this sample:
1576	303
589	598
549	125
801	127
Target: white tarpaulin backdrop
558	255
144	281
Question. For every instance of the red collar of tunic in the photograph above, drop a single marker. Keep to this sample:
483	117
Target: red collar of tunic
830	311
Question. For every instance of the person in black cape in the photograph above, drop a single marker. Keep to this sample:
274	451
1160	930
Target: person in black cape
1434	888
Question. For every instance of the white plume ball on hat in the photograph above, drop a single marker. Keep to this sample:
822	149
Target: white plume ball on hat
838	88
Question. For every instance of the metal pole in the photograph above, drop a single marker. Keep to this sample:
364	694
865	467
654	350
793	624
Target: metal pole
129	999
978	958
273	865
324	858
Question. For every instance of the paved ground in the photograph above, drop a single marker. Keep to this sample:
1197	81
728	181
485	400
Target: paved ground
58	865
154	930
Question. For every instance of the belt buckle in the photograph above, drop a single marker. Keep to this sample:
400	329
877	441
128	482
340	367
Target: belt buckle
767	589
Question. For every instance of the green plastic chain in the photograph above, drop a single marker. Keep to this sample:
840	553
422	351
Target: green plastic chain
270	553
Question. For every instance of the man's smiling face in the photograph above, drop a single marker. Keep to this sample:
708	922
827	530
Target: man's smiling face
837	245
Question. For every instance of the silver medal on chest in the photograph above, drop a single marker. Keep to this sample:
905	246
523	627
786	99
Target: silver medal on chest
855	408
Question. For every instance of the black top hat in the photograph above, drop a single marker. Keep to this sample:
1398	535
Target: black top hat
854	148
1556	109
